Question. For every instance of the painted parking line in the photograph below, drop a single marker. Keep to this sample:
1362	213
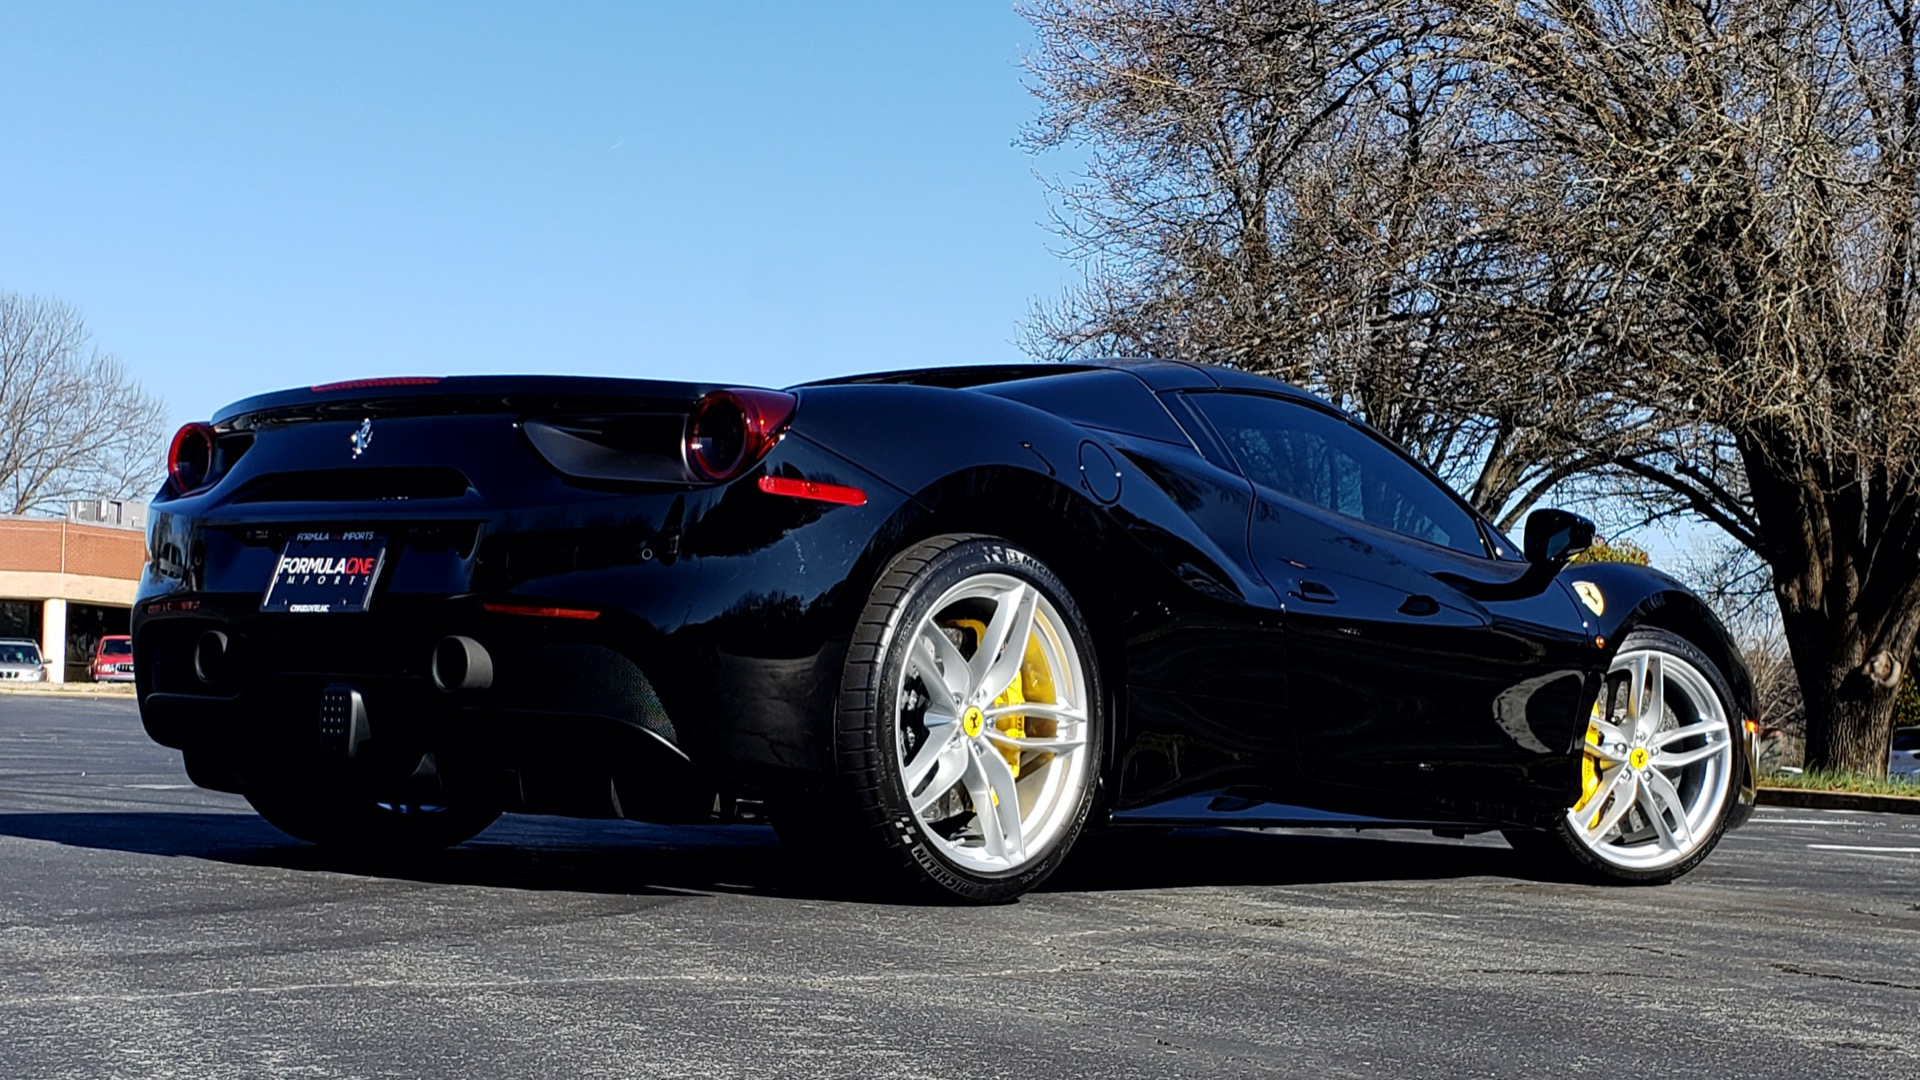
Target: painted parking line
1798	821
158	787
1862	847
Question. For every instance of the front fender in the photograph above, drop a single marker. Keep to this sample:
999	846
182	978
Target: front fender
1629	597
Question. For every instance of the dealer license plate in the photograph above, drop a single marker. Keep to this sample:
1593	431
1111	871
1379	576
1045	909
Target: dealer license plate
326	572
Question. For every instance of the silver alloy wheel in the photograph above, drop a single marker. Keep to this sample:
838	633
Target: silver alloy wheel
1659	763
993	722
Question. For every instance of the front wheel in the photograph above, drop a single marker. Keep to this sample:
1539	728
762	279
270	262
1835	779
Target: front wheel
364	826
969	722
1657	769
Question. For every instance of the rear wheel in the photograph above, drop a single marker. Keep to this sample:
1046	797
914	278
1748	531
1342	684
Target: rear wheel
1657	769
357	824
969	722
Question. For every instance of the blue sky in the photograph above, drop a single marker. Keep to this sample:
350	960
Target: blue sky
245	196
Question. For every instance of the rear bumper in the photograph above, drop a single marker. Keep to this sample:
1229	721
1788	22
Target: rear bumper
576	719
581	764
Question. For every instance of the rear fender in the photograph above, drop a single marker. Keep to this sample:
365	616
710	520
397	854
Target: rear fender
1150	538
981	463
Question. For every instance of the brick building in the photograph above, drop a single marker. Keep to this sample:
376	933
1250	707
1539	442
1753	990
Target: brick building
67	584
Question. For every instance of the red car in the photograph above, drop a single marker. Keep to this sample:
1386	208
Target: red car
113	659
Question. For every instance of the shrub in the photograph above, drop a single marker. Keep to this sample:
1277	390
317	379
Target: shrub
1621	551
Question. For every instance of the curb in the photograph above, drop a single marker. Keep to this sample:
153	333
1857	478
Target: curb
71	689
1804	799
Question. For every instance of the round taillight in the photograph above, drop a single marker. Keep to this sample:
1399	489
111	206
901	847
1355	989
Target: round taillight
730	430
190	458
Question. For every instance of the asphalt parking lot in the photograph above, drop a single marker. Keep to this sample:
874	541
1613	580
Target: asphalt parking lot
151	929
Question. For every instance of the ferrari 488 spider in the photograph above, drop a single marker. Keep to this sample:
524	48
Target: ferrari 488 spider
938	622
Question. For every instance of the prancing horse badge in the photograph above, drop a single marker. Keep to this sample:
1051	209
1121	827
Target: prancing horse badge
362	438
1590	596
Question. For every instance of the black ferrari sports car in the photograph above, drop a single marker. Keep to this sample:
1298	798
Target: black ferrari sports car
938	622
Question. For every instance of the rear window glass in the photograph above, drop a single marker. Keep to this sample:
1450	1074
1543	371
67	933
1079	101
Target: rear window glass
1907	739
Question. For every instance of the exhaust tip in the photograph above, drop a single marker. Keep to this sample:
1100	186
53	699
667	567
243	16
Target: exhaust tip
461	663
210	657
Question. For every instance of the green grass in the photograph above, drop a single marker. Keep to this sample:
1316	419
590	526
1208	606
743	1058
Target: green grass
1855	783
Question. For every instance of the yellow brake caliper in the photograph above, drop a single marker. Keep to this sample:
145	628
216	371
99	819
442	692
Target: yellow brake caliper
1590	770
1035	684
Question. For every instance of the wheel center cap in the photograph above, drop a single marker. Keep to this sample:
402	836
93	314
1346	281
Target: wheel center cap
1637	757
972	721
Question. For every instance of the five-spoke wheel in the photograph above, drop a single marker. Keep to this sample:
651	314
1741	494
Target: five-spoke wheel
992	722
970	719
1657	770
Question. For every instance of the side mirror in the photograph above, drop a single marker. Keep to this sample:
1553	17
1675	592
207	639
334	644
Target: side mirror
1554	536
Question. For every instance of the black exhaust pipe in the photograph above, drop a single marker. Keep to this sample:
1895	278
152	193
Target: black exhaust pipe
210	657
461	663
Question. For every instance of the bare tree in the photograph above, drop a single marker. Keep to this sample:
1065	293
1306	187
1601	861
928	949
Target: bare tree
73	424
1734	582
1281	187
1664	245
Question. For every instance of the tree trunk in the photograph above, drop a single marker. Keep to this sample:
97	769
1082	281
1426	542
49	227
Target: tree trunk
1842	538
1848	683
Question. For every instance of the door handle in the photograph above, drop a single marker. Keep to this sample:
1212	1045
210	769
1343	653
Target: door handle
1314	592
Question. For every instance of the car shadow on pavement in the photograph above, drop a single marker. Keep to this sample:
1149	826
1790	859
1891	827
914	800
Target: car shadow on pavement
627	858
548	854
1122	859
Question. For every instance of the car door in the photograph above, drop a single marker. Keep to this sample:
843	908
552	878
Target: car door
1405	677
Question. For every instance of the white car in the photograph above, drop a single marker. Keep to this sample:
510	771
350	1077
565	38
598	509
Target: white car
1903	761
20	661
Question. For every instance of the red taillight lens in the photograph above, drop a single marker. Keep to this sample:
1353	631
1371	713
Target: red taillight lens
807	489
190	458
730	430
538	611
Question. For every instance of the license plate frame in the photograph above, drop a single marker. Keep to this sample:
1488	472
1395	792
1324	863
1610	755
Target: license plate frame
326	572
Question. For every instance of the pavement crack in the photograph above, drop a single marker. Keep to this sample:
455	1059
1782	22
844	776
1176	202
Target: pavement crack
1834	976
1584	973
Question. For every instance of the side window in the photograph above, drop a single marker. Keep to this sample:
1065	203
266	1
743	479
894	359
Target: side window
1318	458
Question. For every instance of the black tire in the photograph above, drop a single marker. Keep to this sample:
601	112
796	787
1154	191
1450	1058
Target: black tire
868	816
1558	853
359	825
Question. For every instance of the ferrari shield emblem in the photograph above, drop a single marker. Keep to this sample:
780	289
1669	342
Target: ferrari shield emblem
1590	596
